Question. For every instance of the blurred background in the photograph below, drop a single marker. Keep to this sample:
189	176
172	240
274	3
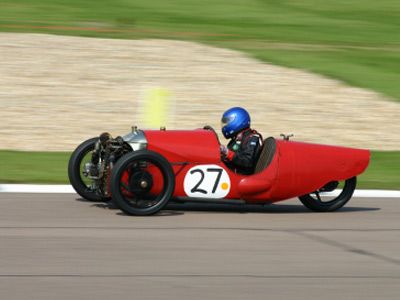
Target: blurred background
327	71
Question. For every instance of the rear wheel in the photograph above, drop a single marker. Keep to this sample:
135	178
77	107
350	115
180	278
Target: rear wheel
142	182
326	199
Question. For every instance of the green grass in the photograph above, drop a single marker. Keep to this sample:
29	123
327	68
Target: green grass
33	167
383	171
51	167
357	41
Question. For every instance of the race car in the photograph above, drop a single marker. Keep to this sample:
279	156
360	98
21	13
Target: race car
145	169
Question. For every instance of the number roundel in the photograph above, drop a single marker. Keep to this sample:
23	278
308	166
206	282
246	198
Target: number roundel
207	181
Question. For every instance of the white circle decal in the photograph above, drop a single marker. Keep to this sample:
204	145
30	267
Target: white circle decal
207	181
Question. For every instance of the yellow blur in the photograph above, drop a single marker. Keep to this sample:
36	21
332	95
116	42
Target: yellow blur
157	107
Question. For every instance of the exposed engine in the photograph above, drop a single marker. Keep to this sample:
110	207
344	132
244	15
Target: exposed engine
106	153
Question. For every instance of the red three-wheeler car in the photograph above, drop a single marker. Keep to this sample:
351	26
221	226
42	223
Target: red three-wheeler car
144	170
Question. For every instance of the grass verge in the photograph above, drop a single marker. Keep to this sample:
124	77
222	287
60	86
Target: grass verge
33	167
51	167
383	171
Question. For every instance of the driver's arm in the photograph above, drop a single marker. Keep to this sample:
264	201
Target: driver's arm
247	154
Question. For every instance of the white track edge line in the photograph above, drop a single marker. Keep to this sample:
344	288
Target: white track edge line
37	188
68	189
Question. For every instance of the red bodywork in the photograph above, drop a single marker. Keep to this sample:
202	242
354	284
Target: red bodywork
296	168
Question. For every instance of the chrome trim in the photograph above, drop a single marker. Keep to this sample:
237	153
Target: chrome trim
136	139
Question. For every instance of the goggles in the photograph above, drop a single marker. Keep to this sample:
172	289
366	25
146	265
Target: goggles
226	120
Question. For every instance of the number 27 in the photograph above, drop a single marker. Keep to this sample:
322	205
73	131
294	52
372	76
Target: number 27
217	179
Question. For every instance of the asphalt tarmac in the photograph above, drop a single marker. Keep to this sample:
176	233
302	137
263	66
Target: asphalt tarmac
57	246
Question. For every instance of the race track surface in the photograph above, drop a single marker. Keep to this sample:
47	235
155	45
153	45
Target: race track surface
61	247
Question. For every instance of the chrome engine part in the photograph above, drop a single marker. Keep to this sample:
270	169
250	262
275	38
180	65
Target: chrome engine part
106	153
136	139
86	169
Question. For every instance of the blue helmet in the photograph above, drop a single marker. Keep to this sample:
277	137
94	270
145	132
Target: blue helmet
234	120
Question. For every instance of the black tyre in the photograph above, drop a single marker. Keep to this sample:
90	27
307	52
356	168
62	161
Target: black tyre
142	183
320	202
81	184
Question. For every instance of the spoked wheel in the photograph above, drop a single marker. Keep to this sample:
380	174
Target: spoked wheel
77	161
142	182
326	199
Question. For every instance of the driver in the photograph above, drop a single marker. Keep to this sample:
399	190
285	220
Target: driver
244	148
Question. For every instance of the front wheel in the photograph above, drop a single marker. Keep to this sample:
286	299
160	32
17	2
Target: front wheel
82	184
142	182
322	201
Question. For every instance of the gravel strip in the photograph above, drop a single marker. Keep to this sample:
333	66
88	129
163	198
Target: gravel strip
56	91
